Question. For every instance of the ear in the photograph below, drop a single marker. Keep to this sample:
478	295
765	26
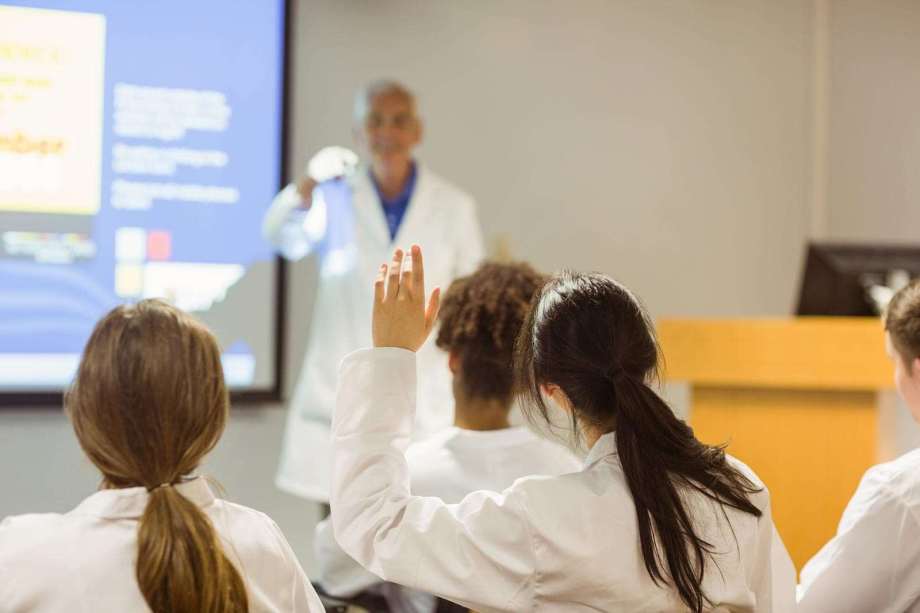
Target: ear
453	362
419	131
915	369
555	393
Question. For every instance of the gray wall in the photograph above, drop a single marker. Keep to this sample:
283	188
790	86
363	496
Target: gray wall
668	143
874	124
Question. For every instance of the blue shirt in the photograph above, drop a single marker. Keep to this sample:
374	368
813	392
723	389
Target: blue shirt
394	209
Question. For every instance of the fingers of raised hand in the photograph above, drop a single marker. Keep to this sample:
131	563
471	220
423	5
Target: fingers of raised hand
418	272
380	284
393	274
431	313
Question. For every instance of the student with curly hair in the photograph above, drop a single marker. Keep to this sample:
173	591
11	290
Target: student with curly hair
654	521
479	320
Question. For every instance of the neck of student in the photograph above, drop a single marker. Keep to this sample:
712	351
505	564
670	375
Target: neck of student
481	415
392	177
591	436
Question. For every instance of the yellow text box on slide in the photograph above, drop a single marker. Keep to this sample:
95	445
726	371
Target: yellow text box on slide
52	80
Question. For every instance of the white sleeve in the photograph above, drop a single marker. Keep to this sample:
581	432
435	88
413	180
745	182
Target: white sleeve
478	552
285	224
771	574
873	563
782	573
338	573
469	250
770	571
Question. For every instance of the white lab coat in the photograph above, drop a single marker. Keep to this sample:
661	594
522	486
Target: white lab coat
872	565
448	465
352	240
552	544
84	561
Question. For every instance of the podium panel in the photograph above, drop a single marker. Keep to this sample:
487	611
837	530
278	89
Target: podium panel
796	400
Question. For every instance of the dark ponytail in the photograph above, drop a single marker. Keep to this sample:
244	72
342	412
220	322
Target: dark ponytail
588	335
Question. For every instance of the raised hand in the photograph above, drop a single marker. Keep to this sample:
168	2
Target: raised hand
401	317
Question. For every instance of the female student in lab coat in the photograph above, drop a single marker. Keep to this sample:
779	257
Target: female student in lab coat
149	402
655	521
873	563
477	325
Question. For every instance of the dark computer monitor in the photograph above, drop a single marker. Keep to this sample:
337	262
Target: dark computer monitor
837	276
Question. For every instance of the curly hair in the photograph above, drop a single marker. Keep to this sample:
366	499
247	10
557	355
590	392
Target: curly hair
481	315
902	321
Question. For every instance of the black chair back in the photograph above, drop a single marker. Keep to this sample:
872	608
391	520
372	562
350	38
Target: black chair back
446	606
371	603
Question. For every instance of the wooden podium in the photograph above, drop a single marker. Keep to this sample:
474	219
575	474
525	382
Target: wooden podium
795	399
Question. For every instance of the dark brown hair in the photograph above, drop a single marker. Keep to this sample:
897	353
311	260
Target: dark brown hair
589	335
902	321
148	403
480	317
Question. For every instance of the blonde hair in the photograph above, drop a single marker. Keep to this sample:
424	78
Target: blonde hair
148	403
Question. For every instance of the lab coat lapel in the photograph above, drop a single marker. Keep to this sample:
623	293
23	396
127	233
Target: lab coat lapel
420	208
368	211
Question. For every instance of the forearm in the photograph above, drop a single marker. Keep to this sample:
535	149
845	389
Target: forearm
371	430
286	224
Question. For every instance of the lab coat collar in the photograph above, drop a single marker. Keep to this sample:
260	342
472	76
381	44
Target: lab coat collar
604	447
421	206
489	438
130	502
368	209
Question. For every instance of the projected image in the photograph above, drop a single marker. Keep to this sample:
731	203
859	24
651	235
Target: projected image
50	161
139	148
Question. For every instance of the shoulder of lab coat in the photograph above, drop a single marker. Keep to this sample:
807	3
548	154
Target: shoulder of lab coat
873	562
467	247
558	456
491	543
771	572
49	559
453	462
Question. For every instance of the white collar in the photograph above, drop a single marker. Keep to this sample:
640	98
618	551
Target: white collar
490	438
130	502
604	447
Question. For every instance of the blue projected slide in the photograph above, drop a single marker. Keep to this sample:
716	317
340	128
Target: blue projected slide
139	148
